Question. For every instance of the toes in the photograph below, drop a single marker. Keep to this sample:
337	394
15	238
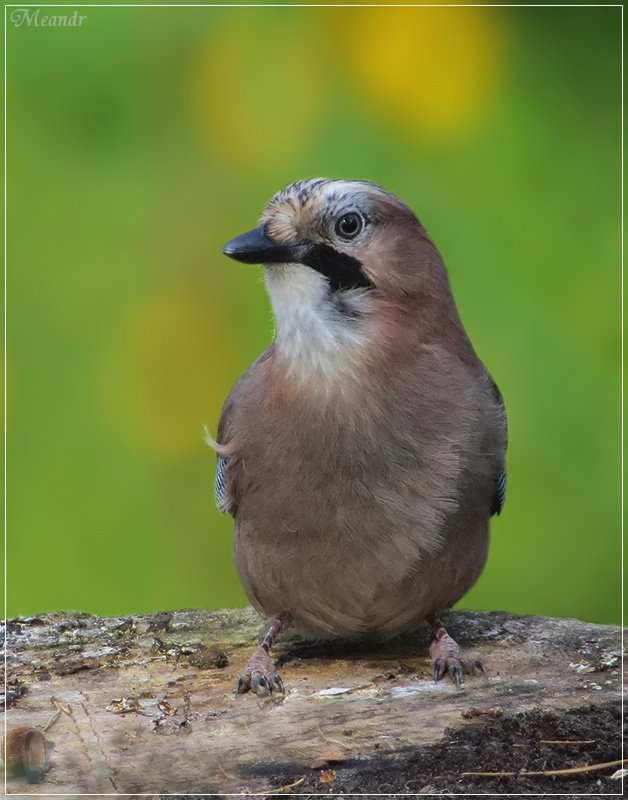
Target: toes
457	675
259	675
453	667
276	684
260	684
479	669
475	668
446	657
440	668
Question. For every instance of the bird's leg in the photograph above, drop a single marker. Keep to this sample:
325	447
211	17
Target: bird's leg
259	673
445	655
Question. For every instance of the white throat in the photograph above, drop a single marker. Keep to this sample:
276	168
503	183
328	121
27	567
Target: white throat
319	335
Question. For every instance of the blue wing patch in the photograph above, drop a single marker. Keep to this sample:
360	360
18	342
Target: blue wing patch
500	493
221	486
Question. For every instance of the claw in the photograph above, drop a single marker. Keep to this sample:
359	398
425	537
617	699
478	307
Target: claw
440	668
479	669
456	673
259	675
445	654
259	684
276	684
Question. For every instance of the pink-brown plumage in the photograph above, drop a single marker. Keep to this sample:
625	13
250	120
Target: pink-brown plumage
363	448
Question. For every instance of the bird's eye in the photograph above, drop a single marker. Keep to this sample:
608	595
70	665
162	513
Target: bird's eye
349	225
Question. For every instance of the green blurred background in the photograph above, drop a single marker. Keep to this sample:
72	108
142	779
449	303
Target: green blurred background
139	143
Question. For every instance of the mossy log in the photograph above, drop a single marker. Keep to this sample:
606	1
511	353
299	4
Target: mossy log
145	704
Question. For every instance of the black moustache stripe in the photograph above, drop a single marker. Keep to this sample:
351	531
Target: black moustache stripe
342	271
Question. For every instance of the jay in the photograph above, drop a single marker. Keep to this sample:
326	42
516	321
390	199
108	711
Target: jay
363	454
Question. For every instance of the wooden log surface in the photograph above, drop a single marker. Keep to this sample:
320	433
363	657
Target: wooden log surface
145	704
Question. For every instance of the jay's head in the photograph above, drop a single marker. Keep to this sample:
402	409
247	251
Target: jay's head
354	233
335	252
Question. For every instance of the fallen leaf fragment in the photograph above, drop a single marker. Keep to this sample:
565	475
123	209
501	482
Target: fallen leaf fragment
123	705
165	708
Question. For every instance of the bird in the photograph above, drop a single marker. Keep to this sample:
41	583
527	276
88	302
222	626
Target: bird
363	454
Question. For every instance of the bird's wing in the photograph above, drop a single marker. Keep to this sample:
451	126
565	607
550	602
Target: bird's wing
499	498
500	493
222	498
225	477
229	465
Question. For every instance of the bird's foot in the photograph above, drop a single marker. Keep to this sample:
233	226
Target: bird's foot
446	657
259	674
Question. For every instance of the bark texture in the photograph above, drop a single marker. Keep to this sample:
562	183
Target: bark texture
146	705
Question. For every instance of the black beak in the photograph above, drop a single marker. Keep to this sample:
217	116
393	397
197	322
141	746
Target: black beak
254	247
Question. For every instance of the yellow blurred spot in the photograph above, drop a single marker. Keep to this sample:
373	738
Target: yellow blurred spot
429	72
257	99
161	373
